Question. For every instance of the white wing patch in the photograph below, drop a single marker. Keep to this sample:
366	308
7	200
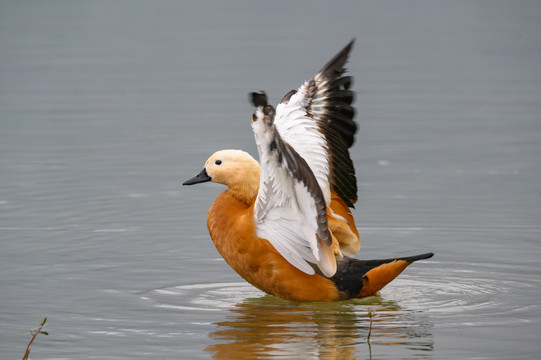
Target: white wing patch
303	152
290	210
303	133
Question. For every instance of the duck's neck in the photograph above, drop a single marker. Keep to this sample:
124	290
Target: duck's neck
245	192
245	185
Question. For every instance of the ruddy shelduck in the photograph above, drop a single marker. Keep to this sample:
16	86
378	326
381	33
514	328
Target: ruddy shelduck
284	224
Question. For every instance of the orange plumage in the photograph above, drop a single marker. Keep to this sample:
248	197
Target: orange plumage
232	229
286	226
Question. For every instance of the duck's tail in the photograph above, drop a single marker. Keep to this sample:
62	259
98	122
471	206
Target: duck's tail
361	278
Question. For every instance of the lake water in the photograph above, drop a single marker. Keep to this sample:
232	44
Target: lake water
107	106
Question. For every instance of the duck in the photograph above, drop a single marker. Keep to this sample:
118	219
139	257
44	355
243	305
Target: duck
285	223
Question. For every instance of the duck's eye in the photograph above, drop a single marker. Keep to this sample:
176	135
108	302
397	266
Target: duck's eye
218	162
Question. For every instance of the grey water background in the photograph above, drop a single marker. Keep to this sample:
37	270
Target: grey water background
107	106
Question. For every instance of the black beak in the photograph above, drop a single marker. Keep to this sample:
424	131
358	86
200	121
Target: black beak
199	178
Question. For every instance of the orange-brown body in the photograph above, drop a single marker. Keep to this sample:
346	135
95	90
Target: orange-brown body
231	227
307	185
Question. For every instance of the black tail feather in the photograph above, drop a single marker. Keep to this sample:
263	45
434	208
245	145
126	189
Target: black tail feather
416	257
349	273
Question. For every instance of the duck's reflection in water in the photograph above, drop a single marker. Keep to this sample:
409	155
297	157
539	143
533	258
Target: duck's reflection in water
268	327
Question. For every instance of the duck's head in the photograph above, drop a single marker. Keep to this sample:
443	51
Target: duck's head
236	169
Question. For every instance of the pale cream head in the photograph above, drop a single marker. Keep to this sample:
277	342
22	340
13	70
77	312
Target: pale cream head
236	169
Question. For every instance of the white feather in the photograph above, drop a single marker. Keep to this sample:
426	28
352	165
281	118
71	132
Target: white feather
285	210
303	134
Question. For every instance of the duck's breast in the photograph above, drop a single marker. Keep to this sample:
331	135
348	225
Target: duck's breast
231	227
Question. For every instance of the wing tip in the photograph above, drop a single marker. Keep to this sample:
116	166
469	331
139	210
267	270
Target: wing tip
258	98
327	260
335	66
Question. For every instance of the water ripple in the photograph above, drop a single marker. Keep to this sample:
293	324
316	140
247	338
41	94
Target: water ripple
206	297
463	298
458	297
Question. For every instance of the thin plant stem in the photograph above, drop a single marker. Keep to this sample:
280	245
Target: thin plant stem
371	316
35	333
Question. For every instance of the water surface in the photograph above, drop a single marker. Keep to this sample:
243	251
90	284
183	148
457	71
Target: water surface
107	106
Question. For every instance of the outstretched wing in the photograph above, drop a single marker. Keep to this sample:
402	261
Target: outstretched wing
301	150
290	209
325	102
